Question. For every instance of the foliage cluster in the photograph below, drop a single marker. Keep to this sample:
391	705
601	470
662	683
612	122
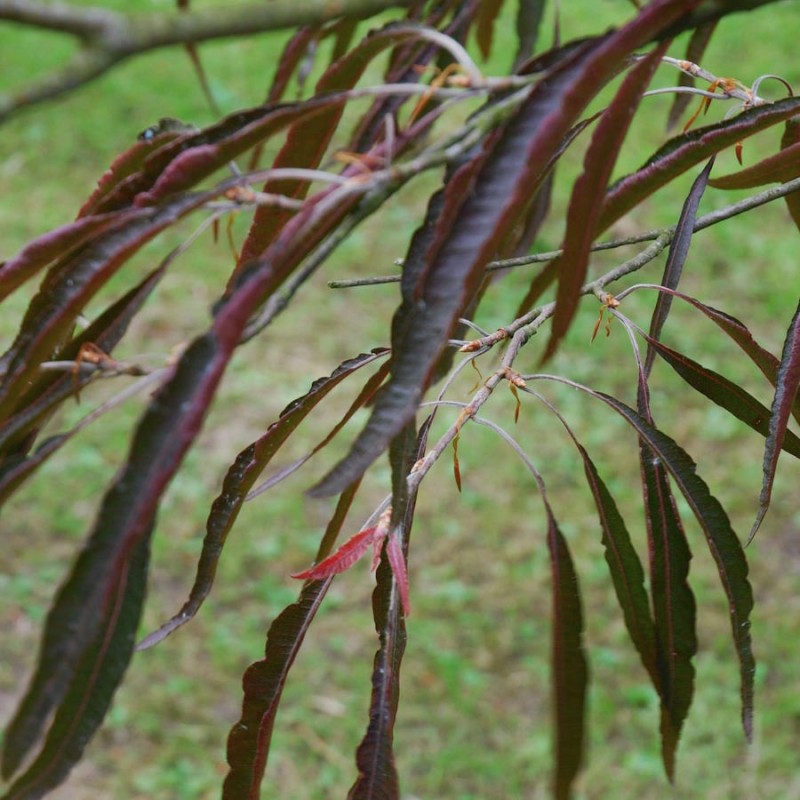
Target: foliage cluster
333	171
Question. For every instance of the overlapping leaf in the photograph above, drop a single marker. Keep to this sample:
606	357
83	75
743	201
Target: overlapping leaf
673	603
48	390
250	738
88	696
587	193
725	393
722	541
684	151
73	282
244	472
481	204
678	251
377	777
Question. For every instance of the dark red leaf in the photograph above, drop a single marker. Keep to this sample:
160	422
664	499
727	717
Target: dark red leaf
82	690
722	541
587	193
47	391
250	738
569	668
128	163
785	395
244	472
673	603
726	394
308	139
688	149
626	570
529	18
474	216
678	251
781	167
740	334
56	244
180	164
341	560
72	282
377	779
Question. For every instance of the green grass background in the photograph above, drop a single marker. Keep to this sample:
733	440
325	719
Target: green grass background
474	720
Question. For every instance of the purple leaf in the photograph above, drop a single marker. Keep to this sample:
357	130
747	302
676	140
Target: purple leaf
475	215
250	738
87	689
587	193
726	394
49	390
569	668
57	244
686	150
377	777
785	394
780	167
72	282
791	138
678	251
244	472
626	570
529	18
308	139
722	541
740	334
673	603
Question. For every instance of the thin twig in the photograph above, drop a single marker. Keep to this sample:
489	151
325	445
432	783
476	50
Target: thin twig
706	221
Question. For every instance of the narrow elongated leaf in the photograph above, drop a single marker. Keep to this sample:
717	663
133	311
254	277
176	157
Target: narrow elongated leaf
88	694
243	474
129	163
72	283
480	206
569	668
678	251
180	164
780	167
673	603
377	779
785	394
684	151
626	570
740	334
587	193
308	139
250	738
725	393
106	331
722	541
54	244
696	47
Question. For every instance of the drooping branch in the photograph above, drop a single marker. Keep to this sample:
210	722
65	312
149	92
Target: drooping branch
109	37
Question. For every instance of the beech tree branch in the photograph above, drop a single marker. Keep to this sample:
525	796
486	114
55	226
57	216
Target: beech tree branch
109	37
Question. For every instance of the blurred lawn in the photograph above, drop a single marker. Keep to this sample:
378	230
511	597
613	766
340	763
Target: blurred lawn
474	717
